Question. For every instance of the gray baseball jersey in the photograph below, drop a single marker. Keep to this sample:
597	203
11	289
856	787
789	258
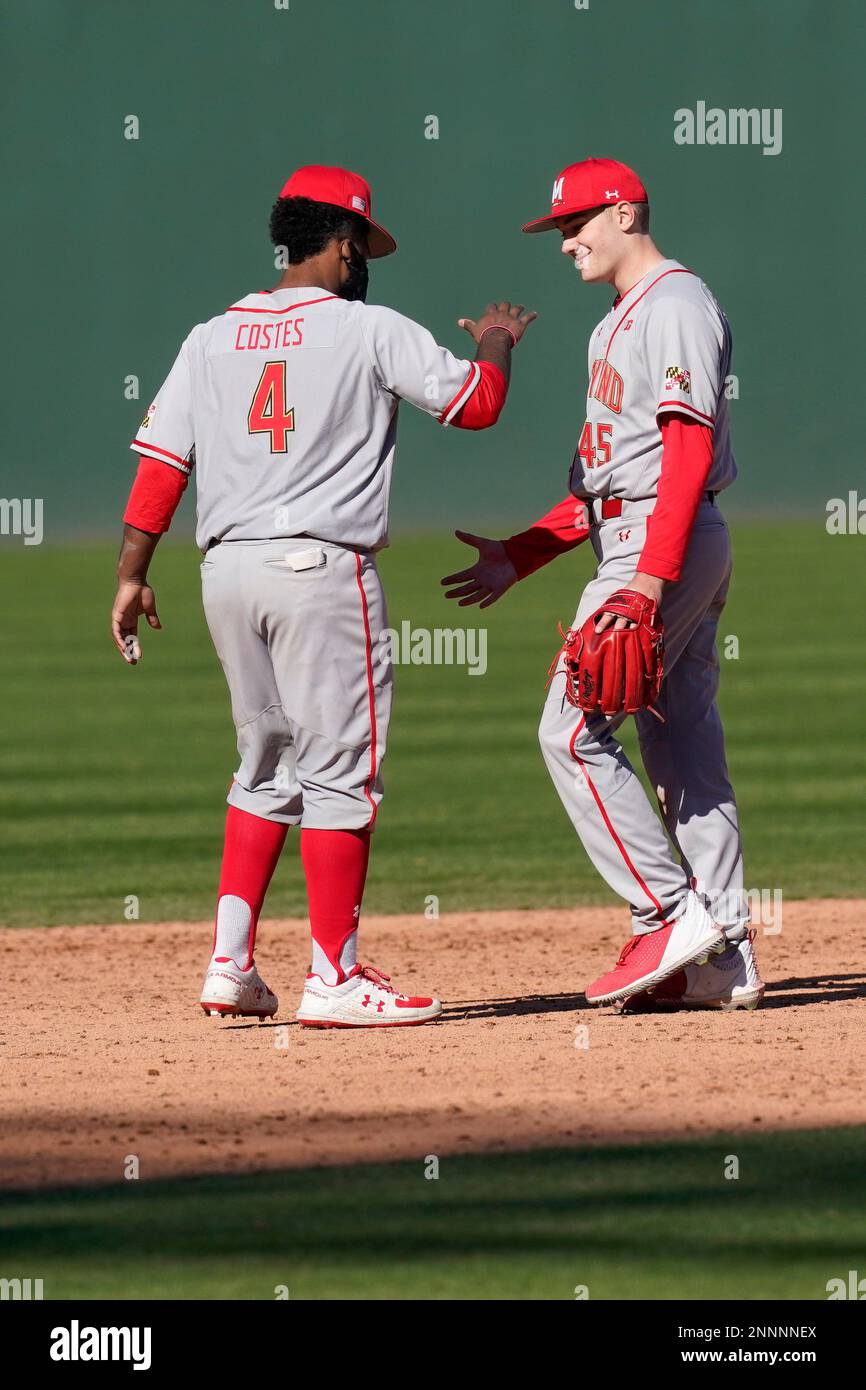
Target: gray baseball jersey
286	404
664	346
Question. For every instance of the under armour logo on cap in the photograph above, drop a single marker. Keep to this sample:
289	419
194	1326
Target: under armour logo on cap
611	193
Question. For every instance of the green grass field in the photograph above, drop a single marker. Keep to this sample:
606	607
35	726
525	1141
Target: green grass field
659	1222
115	778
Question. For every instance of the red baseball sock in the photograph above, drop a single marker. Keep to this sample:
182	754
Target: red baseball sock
335	863
252	848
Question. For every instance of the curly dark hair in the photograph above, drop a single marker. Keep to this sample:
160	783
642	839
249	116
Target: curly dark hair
305	227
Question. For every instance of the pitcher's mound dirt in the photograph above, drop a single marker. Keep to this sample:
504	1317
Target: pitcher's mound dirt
104	1052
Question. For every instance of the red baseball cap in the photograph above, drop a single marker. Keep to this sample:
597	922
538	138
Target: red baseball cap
326	183
590	184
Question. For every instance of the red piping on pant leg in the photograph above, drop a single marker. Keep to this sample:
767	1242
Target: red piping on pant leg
370	691
606	818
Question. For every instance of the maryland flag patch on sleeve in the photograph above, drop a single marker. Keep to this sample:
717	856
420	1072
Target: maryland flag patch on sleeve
678	379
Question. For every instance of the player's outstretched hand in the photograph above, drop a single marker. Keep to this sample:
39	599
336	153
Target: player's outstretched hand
501	315
132	601
488	579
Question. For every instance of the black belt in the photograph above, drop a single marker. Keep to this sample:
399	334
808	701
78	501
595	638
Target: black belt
214	540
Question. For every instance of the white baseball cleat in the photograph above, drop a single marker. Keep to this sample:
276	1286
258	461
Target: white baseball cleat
232	992
364	1000
728	981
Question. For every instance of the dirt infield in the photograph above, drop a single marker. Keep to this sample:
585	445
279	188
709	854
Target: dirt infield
105	1053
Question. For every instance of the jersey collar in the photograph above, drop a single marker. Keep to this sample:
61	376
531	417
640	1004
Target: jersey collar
667	264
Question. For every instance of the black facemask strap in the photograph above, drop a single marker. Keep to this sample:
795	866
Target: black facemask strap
359	277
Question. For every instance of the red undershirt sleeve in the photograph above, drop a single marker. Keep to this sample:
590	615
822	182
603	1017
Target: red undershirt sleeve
687	457
156	491
561	529
485	404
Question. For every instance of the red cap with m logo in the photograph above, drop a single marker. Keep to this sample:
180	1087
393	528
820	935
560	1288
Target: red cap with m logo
593	183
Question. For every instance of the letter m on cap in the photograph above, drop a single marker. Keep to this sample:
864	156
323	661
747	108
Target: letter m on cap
556	195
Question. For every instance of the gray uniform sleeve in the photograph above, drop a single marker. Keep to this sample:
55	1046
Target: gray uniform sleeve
410	364
166	432
685	348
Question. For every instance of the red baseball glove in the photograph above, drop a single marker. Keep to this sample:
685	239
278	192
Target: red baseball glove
616	671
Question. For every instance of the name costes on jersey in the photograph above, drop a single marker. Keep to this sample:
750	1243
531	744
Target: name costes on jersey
267	337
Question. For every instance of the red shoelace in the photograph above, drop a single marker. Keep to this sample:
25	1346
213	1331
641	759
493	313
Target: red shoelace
377	977
626	950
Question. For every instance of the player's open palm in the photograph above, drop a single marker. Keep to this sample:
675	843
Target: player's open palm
512	317
485	581
132	601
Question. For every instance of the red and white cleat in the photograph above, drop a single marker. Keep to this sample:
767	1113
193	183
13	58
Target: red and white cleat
231	992
728	981
364	1000
651	957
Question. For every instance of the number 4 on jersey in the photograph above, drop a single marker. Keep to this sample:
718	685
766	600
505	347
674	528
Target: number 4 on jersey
268	413
597	454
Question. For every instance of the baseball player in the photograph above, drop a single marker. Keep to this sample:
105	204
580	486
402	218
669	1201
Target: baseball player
653	454
286	407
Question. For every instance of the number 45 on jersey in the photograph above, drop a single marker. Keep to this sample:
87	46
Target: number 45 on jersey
594	448
268	413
